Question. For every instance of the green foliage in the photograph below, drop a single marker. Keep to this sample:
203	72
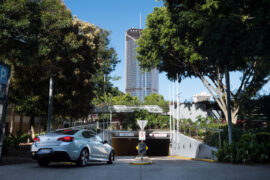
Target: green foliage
155	121
107	57
156	99
212	138
209	122
203	38
12	141
125	99
41	37
251	148
256	109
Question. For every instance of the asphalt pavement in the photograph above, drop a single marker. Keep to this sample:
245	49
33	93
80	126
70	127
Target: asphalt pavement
162	168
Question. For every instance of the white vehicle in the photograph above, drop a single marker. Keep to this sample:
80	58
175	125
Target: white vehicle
71	145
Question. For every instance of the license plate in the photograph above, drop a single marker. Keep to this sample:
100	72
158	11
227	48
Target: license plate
44	151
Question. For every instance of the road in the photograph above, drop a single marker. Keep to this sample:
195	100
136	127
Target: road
163	168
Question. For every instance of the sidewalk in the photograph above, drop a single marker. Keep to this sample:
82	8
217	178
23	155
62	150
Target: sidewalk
11	160
18	156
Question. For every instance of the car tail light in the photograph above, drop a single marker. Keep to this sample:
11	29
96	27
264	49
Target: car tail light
36	139
66	139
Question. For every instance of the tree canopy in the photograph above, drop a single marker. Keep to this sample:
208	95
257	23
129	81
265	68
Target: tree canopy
203	38
125	99
42	37
156	99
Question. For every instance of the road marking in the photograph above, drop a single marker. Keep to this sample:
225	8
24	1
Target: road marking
195	159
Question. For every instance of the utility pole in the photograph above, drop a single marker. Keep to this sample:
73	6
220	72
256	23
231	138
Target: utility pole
52	69
228	91
170	113
173	121
177	108
50	103
103	126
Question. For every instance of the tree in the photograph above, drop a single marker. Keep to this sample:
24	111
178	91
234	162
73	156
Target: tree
41	37
32	32
125	99
155	121
204	38
126	120
156	99
107	58
256	110
75	80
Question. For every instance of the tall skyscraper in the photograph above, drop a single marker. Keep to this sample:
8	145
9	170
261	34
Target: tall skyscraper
138	83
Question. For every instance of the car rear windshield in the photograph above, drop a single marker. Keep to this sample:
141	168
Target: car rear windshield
66	131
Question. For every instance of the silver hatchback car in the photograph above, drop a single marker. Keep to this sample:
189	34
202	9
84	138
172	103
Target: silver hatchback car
71	145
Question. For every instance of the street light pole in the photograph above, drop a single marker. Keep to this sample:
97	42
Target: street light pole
103	126
50	103
228	91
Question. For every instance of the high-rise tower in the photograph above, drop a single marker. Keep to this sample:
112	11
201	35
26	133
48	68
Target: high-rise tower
138	83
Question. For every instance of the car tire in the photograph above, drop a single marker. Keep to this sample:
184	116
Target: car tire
111	158
83	159
43	162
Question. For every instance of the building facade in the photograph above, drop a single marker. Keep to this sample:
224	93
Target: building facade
138	83
203	96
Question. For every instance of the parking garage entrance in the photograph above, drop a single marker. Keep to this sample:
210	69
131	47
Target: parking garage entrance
125	142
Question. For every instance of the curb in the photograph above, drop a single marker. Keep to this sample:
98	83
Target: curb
146	161
194	159
135	163
205	160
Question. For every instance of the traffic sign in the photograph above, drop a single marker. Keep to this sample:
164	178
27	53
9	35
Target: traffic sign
4	73
142	135
4	83
4	77
142	123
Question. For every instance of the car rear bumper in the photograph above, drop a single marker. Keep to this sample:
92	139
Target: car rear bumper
59	156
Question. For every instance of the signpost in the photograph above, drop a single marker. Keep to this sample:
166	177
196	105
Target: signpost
142	146
4	85
142	135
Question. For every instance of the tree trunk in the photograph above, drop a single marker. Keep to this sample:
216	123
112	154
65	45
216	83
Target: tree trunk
32	126
12	123
220	93
21	123
234	113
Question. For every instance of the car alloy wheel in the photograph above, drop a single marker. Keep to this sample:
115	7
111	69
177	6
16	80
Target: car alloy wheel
111	158
83	159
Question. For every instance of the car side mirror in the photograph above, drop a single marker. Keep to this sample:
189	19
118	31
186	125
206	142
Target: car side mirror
105	142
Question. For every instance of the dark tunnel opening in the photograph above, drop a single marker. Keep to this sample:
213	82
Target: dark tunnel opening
127	146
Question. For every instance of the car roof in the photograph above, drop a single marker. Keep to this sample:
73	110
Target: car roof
75	129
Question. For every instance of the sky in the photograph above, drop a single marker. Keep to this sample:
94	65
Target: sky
117	16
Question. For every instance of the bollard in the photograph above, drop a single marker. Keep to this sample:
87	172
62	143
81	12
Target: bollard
142	149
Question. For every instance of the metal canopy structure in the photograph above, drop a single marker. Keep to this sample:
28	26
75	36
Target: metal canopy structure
128	109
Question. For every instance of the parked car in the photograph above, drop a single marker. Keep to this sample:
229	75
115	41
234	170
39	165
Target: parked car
71	145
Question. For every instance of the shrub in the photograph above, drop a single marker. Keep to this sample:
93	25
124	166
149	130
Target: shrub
251	148
14	141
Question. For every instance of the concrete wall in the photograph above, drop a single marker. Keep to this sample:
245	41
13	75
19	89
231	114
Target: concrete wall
192	111
185	146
